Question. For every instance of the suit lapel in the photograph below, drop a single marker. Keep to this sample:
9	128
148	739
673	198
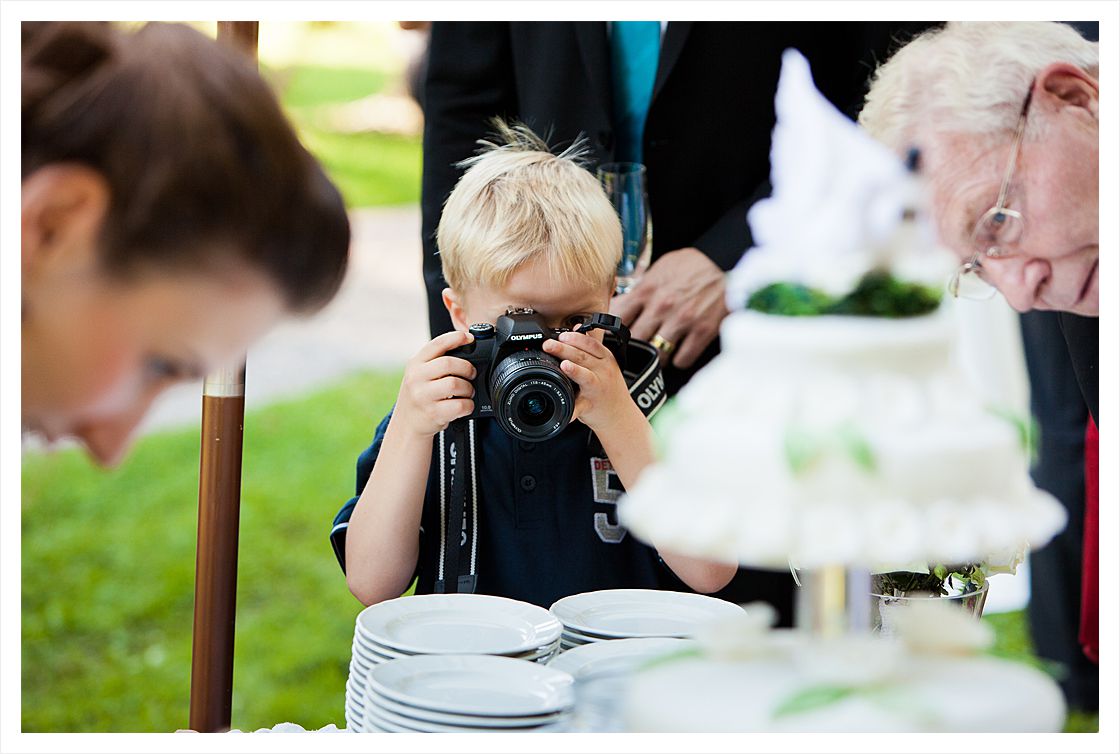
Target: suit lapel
675	35
594	48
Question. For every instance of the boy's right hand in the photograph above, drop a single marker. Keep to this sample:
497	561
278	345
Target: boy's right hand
436	388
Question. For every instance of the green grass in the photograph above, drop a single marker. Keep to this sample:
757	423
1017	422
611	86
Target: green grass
371	169
108	573
312	85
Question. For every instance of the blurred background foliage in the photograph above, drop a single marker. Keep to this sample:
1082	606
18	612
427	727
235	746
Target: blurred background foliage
108	557
108	572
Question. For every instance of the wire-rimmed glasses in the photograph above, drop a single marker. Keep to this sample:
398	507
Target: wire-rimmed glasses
996	230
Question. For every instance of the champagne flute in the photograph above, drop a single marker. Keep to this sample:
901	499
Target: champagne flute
625	184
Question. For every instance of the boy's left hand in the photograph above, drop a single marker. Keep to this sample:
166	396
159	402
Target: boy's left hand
603	396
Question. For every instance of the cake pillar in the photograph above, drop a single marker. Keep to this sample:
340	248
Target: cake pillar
834	600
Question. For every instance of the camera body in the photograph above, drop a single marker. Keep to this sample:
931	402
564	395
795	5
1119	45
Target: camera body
516	382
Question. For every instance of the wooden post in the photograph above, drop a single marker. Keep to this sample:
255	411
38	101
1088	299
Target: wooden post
219	507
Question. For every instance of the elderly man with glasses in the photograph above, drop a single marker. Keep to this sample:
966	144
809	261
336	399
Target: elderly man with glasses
1005	116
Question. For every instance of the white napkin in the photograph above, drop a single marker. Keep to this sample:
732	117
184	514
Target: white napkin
837	202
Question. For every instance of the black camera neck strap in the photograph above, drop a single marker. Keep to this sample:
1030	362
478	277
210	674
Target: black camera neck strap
458	555
458	481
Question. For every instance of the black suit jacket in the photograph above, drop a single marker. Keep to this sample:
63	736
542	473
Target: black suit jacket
706	143
707	133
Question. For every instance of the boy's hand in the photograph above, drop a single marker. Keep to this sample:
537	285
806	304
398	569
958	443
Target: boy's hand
436	388
603	397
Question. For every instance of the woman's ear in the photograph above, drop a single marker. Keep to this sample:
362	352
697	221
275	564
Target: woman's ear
1066	85
453	302
63	209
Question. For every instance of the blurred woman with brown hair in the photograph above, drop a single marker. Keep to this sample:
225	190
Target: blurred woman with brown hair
170	217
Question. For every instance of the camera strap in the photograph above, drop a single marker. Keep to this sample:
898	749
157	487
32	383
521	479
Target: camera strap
458	555
458	482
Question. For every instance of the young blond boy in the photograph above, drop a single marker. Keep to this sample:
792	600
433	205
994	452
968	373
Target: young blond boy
523	228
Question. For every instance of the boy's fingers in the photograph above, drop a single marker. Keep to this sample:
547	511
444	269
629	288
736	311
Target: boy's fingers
588	342
457	408
580	375
443	366
449	387
562	350
441	344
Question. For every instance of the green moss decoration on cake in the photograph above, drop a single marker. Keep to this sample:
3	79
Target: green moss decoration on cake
877	295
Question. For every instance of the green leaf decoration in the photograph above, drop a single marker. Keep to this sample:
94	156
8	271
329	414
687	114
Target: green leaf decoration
812	698
857	447
878	294
802	450
1027	428
898	583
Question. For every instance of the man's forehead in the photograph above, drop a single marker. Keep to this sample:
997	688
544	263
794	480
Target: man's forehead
963	179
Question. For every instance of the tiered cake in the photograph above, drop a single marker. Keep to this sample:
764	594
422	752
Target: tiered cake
839	440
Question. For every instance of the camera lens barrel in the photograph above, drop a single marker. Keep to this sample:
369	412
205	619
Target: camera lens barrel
533	400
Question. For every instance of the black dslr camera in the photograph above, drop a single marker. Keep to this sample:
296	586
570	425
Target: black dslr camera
517	382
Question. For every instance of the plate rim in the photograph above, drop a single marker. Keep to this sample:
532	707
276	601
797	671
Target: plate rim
547	635
564	603
376	683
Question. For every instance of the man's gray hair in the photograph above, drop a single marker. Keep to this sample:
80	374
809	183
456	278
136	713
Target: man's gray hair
967	78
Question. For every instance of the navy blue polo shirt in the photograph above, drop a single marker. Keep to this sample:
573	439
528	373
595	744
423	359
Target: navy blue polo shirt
546	525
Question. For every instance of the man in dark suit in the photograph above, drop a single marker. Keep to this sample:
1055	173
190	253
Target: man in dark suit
705	144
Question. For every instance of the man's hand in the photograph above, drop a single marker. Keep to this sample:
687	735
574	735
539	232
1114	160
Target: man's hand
603	400
681	298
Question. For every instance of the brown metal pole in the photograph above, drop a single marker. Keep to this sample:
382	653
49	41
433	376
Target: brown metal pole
219	507
215	587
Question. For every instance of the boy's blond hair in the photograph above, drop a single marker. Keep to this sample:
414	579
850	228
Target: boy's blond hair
519	202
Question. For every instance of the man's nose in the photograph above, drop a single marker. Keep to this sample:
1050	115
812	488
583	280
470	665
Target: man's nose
1019	279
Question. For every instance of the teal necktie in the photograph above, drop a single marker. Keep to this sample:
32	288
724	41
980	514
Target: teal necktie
635	47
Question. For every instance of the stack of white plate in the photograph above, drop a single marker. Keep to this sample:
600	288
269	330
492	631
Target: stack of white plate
617	657
444	624
635	614
465	694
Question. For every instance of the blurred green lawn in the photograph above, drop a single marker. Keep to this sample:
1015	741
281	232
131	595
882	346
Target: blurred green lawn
369	168
108	573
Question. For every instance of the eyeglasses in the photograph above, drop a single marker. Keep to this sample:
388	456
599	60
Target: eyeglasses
996	229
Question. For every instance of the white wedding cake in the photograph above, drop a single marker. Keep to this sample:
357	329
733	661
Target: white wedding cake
835	441
843	439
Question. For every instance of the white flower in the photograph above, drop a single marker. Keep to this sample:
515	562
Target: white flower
740	637
1006	560
938	627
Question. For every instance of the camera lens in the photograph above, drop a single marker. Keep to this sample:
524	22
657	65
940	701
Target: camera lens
533	400
535	408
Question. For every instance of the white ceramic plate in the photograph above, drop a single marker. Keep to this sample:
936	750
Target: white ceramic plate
473	685
639	613
617	656
416	714
370	657
477	724
457	623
